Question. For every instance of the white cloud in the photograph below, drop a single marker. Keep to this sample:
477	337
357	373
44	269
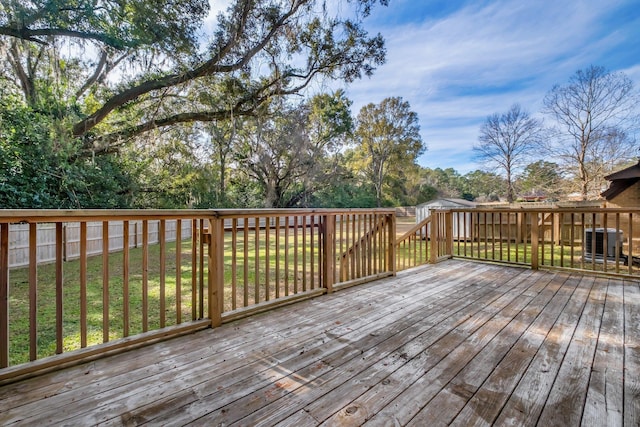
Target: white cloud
481	59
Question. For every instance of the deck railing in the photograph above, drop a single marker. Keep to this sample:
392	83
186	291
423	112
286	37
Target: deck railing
595	239
186	270
213	266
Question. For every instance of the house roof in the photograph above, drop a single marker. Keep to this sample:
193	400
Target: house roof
451	201
628	173
621	180
618	186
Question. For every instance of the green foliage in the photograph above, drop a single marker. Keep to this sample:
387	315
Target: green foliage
39	169
387	139
482	186
541	178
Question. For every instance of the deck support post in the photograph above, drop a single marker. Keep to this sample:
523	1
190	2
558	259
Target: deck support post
434	237
328	252
448	218
534	240
391	251
4	295
215	276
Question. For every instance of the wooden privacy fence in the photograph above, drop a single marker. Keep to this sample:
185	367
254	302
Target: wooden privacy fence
47	239
207	267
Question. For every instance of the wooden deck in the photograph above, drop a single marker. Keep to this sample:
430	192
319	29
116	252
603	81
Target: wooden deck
457	343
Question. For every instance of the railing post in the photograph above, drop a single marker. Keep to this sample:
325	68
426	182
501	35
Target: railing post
449	231
4	295
534	240
391	252
433	236
328	251
215	276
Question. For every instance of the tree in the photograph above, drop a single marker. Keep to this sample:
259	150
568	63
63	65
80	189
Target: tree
447	182
387	139
595	114
542	177
290	151
505	142
259	50
36	170
482	186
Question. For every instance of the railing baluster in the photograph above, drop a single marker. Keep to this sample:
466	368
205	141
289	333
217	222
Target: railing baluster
593	241
295	254
145	275
583	248
105	281
304	253
163	272
312	254
572	239
178	271
245	279
33	291
277	277
194	267
618	244
83	284
561	220
201	264
59	288
234	262
125	279
605	242
267	258
287	225
630	262
256	249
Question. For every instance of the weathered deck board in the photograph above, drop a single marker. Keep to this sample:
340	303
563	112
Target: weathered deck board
457	343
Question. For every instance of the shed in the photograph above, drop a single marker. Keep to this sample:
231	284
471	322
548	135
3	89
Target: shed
464	219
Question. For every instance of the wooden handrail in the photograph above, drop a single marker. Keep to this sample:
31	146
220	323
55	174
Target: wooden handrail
413	229
236	260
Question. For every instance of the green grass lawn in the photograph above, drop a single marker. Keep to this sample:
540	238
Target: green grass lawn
269	271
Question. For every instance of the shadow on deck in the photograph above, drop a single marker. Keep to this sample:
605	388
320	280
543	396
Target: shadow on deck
457	343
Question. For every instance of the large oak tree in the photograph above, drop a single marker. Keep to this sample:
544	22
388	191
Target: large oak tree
119	68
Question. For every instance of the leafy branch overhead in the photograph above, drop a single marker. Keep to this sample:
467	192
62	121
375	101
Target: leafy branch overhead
122	68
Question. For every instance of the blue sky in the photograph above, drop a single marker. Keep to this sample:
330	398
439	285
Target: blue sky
457	62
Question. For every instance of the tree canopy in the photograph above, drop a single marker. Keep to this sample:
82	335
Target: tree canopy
387	139
122	68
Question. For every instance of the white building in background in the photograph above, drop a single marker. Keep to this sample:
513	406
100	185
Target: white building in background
461	221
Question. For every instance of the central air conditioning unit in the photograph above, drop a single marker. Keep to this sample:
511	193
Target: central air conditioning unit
614	244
